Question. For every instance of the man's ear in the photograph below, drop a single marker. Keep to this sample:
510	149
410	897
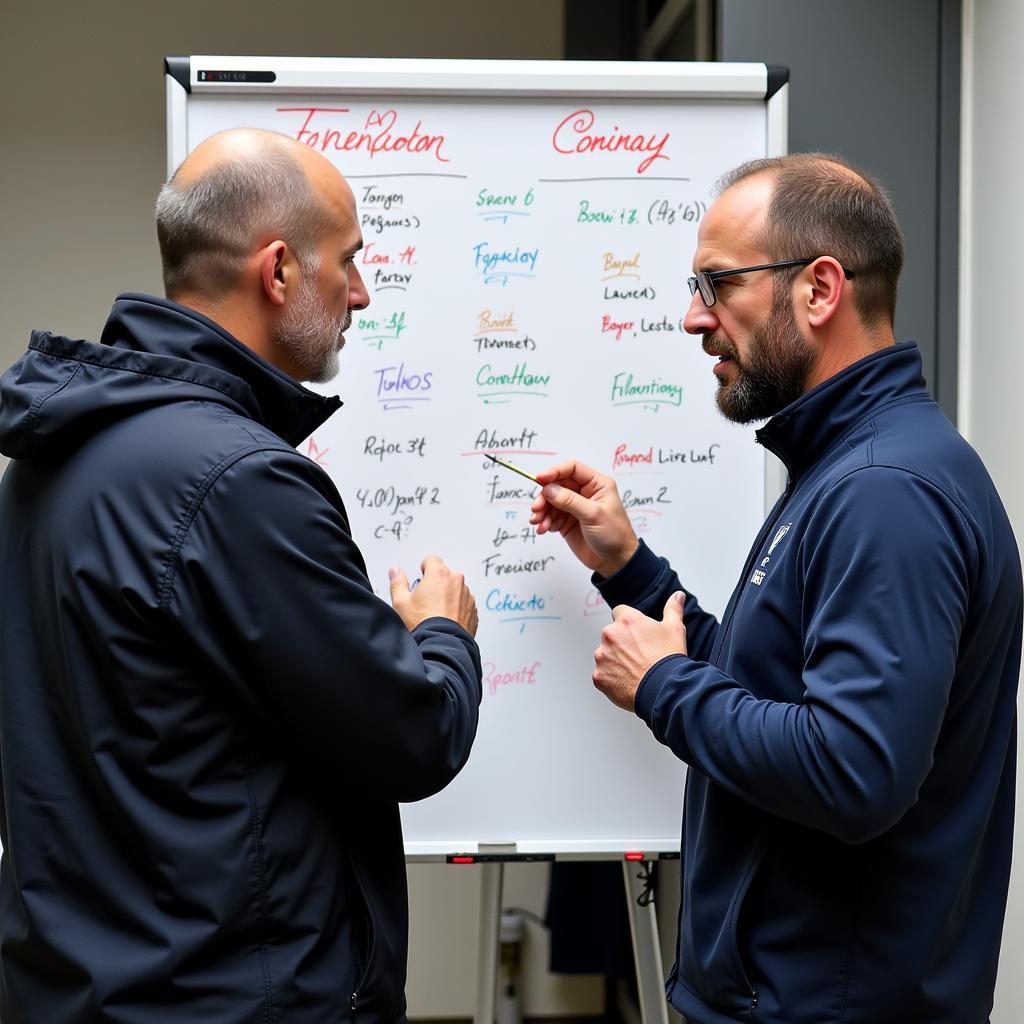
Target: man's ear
825	285
276	268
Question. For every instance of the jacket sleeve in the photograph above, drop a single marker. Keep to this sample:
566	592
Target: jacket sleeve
646	582
886	563
271	595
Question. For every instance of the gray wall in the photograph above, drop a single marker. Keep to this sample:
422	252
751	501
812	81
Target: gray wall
878	82
992	356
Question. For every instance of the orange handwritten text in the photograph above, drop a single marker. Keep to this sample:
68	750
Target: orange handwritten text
573	136
491	322
377	136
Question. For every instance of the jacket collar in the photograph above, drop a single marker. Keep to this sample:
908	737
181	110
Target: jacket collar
802	432
160	327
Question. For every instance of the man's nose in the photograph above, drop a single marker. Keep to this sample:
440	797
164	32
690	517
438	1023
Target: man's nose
699	319
358	296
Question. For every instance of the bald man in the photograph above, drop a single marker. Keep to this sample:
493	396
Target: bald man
207	719
849	725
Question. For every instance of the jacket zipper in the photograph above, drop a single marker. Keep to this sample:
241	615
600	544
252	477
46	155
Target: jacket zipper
735	909
755	550
353	1000
780	507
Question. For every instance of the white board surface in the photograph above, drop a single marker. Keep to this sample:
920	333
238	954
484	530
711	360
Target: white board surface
528	230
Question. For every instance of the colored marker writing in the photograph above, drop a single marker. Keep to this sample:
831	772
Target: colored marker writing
395	386
573	137
520	376
513	608
486	198
371	255
626	392
504	262
380	331
623	457
586	215
503	387
488	322
376	137
495	678
625	267
498	600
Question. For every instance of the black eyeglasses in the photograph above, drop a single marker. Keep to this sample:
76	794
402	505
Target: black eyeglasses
705	279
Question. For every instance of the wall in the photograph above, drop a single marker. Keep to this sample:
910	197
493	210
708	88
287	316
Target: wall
992	355
877	82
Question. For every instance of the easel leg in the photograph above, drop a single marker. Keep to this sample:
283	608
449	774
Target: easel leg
490	931
650	978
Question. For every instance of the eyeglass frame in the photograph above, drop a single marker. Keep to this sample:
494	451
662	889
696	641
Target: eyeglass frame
708	277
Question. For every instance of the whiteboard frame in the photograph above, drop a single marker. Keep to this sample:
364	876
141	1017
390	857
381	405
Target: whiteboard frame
498	78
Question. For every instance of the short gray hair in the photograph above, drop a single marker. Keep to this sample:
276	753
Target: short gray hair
821	205
207	227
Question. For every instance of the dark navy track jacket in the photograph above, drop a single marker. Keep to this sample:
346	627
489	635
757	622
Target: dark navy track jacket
849	726
207	719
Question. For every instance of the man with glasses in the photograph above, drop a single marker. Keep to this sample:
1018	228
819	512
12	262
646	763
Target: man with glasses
849	724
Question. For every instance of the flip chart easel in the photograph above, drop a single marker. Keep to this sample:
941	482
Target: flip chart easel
528	226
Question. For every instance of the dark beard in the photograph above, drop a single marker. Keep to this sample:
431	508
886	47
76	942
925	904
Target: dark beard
774	371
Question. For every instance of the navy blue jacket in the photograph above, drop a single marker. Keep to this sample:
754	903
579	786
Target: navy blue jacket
849	726
207	719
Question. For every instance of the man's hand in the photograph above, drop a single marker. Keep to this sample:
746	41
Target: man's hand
441	591
584	507
632	644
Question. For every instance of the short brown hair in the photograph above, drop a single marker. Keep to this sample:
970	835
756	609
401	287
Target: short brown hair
823	206
208	226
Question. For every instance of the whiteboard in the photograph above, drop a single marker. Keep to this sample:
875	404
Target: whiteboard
528	229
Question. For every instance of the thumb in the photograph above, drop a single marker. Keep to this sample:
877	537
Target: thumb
399	582
568	500
674	607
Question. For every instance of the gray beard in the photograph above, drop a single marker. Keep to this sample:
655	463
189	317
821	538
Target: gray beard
311	335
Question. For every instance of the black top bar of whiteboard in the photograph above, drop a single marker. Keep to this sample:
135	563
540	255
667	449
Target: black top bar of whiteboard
778	76
241	77
179	69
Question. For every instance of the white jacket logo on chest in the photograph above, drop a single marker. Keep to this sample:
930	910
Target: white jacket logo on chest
759	574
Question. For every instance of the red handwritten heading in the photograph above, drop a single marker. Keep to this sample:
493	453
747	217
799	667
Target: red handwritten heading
575	137
377	135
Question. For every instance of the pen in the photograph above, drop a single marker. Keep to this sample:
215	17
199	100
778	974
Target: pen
515	469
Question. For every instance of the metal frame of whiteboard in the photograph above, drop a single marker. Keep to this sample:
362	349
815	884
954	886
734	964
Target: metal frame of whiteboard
367	75
498	78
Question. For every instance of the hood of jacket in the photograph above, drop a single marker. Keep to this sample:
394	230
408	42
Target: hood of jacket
152	351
